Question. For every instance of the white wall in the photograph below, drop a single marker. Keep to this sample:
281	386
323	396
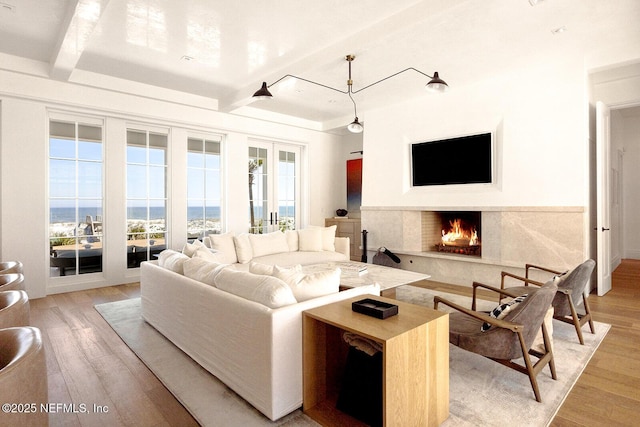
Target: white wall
26	101
539	118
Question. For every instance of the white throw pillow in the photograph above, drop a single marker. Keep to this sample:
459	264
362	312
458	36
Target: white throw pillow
224	243
175	263
267	244
266	290
310	239
202	270
243	248
210	255
190	248
329	238
309	286
292	239
268	269
259	268
162	256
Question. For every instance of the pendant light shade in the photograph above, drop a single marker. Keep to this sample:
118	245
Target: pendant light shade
436	84
355	126
263	92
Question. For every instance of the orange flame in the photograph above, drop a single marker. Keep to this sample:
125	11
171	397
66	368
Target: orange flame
457	236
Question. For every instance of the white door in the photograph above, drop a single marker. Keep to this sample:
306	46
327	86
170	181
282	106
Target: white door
603	203
274	186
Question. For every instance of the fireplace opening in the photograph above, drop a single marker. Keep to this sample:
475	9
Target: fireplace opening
455	232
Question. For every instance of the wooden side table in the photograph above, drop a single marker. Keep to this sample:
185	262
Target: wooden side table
415	362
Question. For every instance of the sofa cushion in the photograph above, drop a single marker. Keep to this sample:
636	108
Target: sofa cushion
172	260
224	243
243	248
190	248
308	286
266	290
290	259
267	244
310	239
210	255
317	239
329	238
267	269
292	239
202	270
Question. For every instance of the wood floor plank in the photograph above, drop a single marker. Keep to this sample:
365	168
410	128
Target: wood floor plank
138	409
84	385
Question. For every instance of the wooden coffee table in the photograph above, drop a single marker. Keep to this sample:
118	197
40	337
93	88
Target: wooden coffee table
415	359
387	277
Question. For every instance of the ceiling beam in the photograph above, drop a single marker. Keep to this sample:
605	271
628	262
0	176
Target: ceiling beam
81	19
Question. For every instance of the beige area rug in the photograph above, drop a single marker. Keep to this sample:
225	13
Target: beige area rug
482	392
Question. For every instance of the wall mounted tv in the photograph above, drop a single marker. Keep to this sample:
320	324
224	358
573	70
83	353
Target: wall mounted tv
460	160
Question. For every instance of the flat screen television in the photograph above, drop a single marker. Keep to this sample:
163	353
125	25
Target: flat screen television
460	160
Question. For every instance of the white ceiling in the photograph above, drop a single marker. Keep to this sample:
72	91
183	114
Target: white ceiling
235	45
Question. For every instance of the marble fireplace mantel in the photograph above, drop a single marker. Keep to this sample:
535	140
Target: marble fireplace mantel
511	237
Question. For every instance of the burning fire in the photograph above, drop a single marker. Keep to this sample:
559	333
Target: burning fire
457	236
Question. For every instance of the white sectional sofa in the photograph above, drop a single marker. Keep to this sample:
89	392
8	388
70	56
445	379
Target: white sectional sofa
311	245
244	328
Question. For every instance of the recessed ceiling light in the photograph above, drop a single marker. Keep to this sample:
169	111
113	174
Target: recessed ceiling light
559	30
535	2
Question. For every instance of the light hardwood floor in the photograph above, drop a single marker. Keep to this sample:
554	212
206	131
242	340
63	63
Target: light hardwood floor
89	364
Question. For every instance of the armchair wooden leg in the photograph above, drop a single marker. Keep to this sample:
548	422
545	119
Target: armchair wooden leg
587	311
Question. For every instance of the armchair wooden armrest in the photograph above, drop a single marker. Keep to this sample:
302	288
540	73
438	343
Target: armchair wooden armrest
527	267
476	285
505	324
525	279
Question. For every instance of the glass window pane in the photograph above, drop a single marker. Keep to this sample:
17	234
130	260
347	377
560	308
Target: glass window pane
62	178
136	154
90	175
89	150
136	181
213	186
157	182
195	184
62	148
195	160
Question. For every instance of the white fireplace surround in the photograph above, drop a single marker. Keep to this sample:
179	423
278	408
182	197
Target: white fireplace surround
511	237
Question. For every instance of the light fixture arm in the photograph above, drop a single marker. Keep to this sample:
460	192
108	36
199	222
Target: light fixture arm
308	81
386	78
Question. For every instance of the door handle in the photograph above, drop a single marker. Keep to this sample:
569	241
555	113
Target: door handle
271	218
605	229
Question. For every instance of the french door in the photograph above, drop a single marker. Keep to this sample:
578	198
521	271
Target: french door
274	186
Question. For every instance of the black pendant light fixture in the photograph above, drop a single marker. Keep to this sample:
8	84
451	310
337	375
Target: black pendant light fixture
435	84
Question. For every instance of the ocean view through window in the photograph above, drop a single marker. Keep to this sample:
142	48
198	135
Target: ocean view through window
75	197
146	195
204	187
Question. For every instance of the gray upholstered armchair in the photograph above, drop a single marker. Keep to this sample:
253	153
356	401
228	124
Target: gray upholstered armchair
504	339
571	288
